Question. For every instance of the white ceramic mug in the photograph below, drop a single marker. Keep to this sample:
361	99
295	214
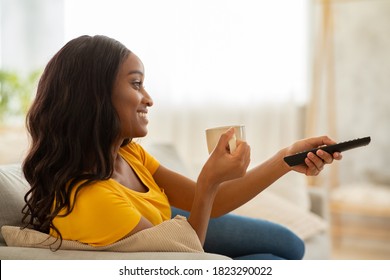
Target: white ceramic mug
213	135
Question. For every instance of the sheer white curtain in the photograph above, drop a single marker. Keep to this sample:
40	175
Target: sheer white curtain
211	63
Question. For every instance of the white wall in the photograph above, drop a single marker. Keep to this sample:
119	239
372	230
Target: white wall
362	54
31	32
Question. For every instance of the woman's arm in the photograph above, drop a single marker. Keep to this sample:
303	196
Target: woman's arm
179	189
234	193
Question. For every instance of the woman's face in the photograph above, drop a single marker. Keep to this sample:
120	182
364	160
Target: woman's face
130	99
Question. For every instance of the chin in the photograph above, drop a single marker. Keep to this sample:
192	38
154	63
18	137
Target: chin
142	133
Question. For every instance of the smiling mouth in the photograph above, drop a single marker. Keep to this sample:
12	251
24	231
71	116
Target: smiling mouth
142	115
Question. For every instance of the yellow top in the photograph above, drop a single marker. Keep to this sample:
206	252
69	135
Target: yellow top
106	211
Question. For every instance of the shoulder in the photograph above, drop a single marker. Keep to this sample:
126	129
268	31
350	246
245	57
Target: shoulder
103	199
100	194
99	208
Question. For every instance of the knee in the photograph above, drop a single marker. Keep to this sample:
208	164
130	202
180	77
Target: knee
294	246
299	249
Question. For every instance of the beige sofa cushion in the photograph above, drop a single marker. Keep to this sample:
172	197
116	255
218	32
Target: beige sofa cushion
272	207
13	187
175	235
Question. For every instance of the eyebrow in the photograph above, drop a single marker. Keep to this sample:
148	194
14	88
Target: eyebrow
135	72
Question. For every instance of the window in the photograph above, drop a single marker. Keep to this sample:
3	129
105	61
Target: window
234	52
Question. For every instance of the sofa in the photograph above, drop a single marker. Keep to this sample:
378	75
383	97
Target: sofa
308	221
12	190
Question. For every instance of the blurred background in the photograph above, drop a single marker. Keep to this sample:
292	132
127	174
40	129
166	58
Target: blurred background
286	69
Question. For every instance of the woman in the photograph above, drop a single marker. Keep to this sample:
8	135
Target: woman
90	182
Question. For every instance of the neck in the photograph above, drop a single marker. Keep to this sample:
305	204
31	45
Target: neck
118	145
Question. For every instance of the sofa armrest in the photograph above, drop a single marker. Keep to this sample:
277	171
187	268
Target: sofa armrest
23	253
318	202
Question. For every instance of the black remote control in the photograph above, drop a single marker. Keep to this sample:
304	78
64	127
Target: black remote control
299	158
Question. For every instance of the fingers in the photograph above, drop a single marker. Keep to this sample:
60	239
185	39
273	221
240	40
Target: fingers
223	141
325	157
328	158
244	150
225	166
229	142
316	162
337	156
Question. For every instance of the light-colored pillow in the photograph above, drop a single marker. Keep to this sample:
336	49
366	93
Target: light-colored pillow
13	187
293	188
175	235
271	207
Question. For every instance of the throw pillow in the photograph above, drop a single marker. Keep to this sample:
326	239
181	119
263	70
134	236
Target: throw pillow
13	187
175	235
274	208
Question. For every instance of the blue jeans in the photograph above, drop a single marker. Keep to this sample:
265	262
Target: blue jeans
244	238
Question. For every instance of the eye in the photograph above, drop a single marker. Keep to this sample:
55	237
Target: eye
137	85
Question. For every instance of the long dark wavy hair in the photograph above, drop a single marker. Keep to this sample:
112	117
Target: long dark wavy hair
73	126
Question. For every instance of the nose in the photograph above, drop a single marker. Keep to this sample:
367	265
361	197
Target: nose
147	99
